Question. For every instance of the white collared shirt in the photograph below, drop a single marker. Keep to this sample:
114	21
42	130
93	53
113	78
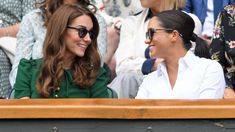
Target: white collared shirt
198	78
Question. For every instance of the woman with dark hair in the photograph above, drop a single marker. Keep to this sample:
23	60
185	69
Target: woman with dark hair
182	74
70	67
132	62
33	29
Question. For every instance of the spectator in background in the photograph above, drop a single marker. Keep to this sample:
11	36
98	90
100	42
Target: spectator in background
207	11
222	47
181	75
33	29
70	67
11	13
130	53
114	11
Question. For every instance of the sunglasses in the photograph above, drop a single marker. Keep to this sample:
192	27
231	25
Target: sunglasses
82	31
149	34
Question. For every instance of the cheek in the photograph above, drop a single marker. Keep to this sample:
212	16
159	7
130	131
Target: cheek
158	48
70	40
71	37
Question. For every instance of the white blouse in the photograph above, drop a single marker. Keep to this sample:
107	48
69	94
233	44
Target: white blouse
198	78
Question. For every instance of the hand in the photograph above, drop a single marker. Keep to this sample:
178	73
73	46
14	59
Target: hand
229	93
25	98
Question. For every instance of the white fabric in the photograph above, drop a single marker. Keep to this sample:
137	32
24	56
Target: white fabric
197	30
208	25
198	25
130	56
8	44
130	52
198	78
126	84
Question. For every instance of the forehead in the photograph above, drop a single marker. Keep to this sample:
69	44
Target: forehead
83	20
154	23
70	1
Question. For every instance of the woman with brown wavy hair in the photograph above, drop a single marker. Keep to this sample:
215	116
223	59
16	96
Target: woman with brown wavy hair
70	67
33	29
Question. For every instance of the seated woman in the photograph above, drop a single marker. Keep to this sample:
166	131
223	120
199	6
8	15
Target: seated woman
70	67
222	48
181	75
33	28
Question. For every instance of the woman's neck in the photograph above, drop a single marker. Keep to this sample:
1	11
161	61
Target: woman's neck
172	65
158	7
155	10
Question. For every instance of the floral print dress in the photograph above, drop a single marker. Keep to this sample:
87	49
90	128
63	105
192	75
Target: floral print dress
222	47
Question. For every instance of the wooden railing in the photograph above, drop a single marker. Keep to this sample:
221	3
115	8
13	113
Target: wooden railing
116	109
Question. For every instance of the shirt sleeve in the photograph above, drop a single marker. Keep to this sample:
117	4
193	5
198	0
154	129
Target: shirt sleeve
24	45
23	80
143	92
219	44
217	47
102	37
99	89
125	59
213	83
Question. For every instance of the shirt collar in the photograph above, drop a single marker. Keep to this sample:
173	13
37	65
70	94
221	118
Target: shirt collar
187	61
148	16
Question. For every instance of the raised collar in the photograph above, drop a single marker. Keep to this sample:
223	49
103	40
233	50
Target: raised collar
149	15
188	61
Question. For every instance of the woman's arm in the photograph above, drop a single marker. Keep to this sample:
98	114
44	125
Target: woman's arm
9	31
23	80
24	44
99	89
213	84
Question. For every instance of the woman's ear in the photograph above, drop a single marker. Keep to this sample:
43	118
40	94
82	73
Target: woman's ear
175	35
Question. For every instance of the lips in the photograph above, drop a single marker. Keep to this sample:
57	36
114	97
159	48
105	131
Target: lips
83	46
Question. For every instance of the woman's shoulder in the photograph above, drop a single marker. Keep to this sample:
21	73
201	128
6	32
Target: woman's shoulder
33	13
34	16
200	63
209	64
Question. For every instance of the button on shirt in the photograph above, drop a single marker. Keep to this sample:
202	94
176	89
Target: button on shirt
198	78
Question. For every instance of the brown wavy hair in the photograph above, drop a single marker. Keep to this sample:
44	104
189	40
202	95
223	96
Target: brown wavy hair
48	7
85	69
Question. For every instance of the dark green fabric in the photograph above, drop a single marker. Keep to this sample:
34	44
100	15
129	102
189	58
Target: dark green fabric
28	72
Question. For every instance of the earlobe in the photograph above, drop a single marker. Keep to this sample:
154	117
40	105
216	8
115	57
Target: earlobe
174	35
